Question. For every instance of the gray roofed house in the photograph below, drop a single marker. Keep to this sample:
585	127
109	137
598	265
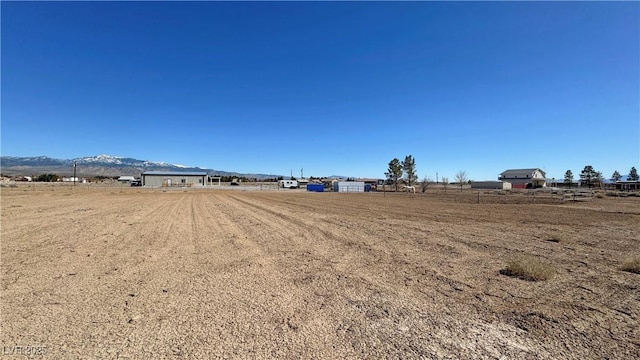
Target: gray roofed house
174	178
524	178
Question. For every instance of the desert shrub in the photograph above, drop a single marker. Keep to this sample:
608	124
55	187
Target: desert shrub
555	237
528	268
599	195
632	264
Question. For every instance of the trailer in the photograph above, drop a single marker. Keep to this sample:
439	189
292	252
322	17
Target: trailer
288	184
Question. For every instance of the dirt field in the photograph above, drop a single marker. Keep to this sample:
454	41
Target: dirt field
139	274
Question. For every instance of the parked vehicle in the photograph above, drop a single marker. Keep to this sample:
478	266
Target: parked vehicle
136	183
288	184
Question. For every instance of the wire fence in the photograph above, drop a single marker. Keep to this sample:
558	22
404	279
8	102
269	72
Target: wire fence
449	194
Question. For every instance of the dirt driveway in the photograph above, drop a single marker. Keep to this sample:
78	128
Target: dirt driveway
140	274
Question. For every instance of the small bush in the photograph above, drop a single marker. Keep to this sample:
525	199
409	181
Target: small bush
632	264
528	268
554	237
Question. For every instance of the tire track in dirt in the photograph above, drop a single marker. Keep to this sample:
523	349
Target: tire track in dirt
261	275
351	239
442	286
371	296
252	271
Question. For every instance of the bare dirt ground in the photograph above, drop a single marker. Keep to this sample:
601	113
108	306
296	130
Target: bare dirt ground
138	274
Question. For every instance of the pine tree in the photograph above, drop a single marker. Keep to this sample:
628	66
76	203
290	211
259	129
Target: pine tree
633	174
409	168
616	176
568	177
588	176
394	172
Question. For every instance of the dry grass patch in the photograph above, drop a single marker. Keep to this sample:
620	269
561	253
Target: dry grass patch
528	268
555	237
632	264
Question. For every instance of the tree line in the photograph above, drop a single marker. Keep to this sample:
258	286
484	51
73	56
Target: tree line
405	170
591	178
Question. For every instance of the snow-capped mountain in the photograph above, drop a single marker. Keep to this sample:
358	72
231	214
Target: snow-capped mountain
101	160
104	165
104	159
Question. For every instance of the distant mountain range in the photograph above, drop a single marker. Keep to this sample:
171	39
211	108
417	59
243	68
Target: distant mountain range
100	165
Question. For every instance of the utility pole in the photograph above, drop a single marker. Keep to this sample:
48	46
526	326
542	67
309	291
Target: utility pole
74	173
301	173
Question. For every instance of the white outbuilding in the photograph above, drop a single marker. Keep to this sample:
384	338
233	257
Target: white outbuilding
348	186
491	185
173	179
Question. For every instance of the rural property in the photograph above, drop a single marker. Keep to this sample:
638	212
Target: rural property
131	273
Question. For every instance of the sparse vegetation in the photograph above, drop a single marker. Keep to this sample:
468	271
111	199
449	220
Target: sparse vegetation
555	237
632	264
461	178
47	178
422	252
528	268
425	183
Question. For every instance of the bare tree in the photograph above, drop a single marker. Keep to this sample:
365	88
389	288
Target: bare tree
424	184
445	182
461	178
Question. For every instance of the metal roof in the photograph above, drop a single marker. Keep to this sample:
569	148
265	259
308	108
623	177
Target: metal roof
520	173
175	173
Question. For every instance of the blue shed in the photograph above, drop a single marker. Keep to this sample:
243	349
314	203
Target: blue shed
315	187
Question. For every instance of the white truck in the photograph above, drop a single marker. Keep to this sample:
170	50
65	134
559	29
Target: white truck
288	184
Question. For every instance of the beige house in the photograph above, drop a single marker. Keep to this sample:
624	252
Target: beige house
524	178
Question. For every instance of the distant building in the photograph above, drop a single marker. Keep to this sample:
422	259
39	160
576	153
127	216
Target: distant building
173	178
524	178
491	185
348	186
623	184
126	178
373	183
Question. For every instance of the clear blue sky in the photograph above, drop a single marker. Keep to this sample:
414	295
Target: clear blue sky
331	87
